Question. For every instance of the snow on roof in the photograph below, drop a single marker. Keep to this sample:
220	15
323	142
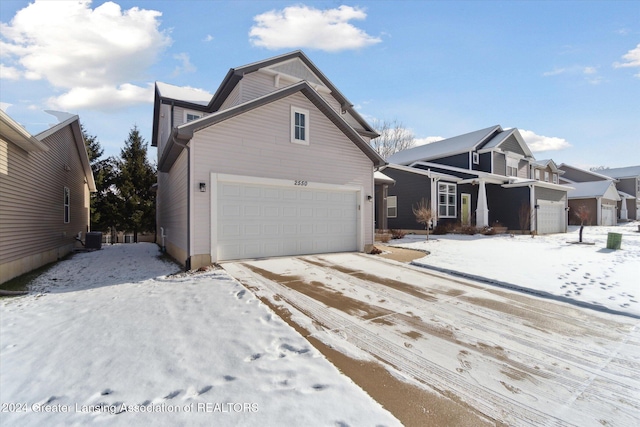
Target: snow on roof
184	93
593	189
563	166
380	177
626	172
444	147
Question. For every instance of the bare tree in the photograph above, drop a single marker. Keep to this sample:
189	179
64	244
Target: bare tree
524	216
423	214
393	137
582	213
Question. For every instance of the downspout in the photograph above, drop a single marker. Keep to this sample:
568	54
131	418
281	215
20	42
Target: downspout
533	226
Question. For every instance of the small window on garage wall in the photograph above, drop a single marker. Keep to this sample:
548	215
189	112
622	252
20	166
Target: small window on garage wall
299	126
392	206
67	203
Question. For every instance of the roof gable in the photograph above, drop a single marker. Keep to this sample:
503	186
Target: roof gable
185	132
507	140
13	132
605	189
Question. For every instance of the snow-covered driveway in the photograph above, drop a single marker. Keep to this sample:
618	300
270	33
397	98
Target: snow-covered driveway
108	338
500	356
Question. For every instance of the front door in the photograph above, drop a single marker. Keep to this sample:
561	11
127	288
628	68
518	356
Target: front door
466	208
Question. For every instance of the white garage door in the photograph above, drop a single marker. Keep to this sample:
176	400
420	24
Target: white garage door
268	220
551	217
608	215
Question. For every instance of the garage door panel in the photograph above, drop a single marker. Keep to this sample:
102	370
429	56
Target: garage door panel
258	221
550	217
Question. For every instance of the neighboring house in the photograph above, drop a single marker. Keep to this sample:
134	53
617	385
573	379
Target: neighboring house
276	162
45	182
626	183
598	197
629	187
490	176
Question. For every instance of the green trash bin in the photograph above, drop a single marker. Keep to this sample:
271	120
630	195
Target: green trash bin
614	240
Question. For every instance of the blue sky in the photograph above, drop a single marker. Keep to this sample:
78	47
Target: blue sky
566	73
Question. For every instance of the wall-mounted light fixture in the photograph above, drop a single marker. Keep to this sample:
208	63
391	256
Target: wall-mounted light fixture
369	198
536	206
203	187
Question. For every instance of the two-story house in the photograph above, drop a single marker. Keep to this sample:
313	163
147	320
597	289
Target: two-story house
628	185
484	177
597	193
276	162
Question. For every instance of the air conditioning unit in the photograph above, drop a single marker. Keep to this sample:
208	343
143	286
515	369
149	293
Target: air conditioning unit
93	240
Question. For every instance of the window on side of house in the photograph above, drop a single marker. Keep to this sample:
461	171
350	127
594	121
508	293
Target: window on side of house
546	176
189	116
537	174
512	166
446	200
392	206
299	126
476	158
555	178
66	203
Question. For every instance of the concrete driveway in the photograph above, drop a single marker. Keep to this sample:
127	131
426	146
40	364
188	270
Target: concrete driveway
437	350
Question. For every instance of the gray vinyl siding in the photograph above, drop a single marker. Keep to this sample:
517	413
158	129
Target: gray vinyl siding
164	126
257	143
459	160
505	203
297	69
579	176
523	169
485	162
499	164
409	189
628	185
511	144
172	207
32	201
550	194
234	97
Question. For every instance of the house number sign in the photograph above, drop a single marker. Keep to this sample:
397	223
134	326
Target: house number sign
303	183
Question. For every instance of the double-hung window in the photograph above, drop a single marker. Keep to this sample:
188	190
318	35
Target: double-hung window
392	206
546	176
299	126
189	117
446	200
66	204
512	166
537	174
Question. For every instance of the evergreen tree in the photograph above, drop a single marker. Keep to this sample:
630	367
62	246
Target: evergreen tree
134	180
104	202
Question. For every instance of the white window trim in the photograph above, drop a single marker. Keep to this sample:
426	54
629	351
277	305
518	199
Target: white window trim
307	123
447	205
475	158
66	203
193	113
392	203
546	176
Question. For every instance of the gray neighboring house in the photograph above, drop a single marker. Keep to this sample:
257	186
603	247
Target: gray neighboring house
479	178
627	185
45	181
276	162
599	197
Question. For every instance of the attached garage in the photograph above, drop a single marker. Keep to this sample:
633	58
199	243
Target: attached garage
608	215
551	217
262	218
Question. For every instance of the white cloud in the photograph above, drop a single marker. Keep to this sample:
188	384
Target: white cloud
9	73
208	38
543	143
427	140
305	27
186	67
102	98
590	73
631	59
89	51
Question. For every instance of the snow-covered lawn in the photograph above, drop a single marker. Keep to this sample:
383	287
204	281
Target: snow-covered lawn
590	275
109	338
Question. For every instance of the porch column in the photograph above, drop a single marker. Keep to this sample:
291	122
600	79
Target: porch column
598	211
482	212
624	213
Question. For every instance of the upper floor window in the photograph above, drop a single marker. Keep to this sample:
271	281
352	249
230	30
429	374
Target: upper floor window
299	126
446	200
475	158
546	176
555	178
537	174
392	206
67	204
512	166
189	117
